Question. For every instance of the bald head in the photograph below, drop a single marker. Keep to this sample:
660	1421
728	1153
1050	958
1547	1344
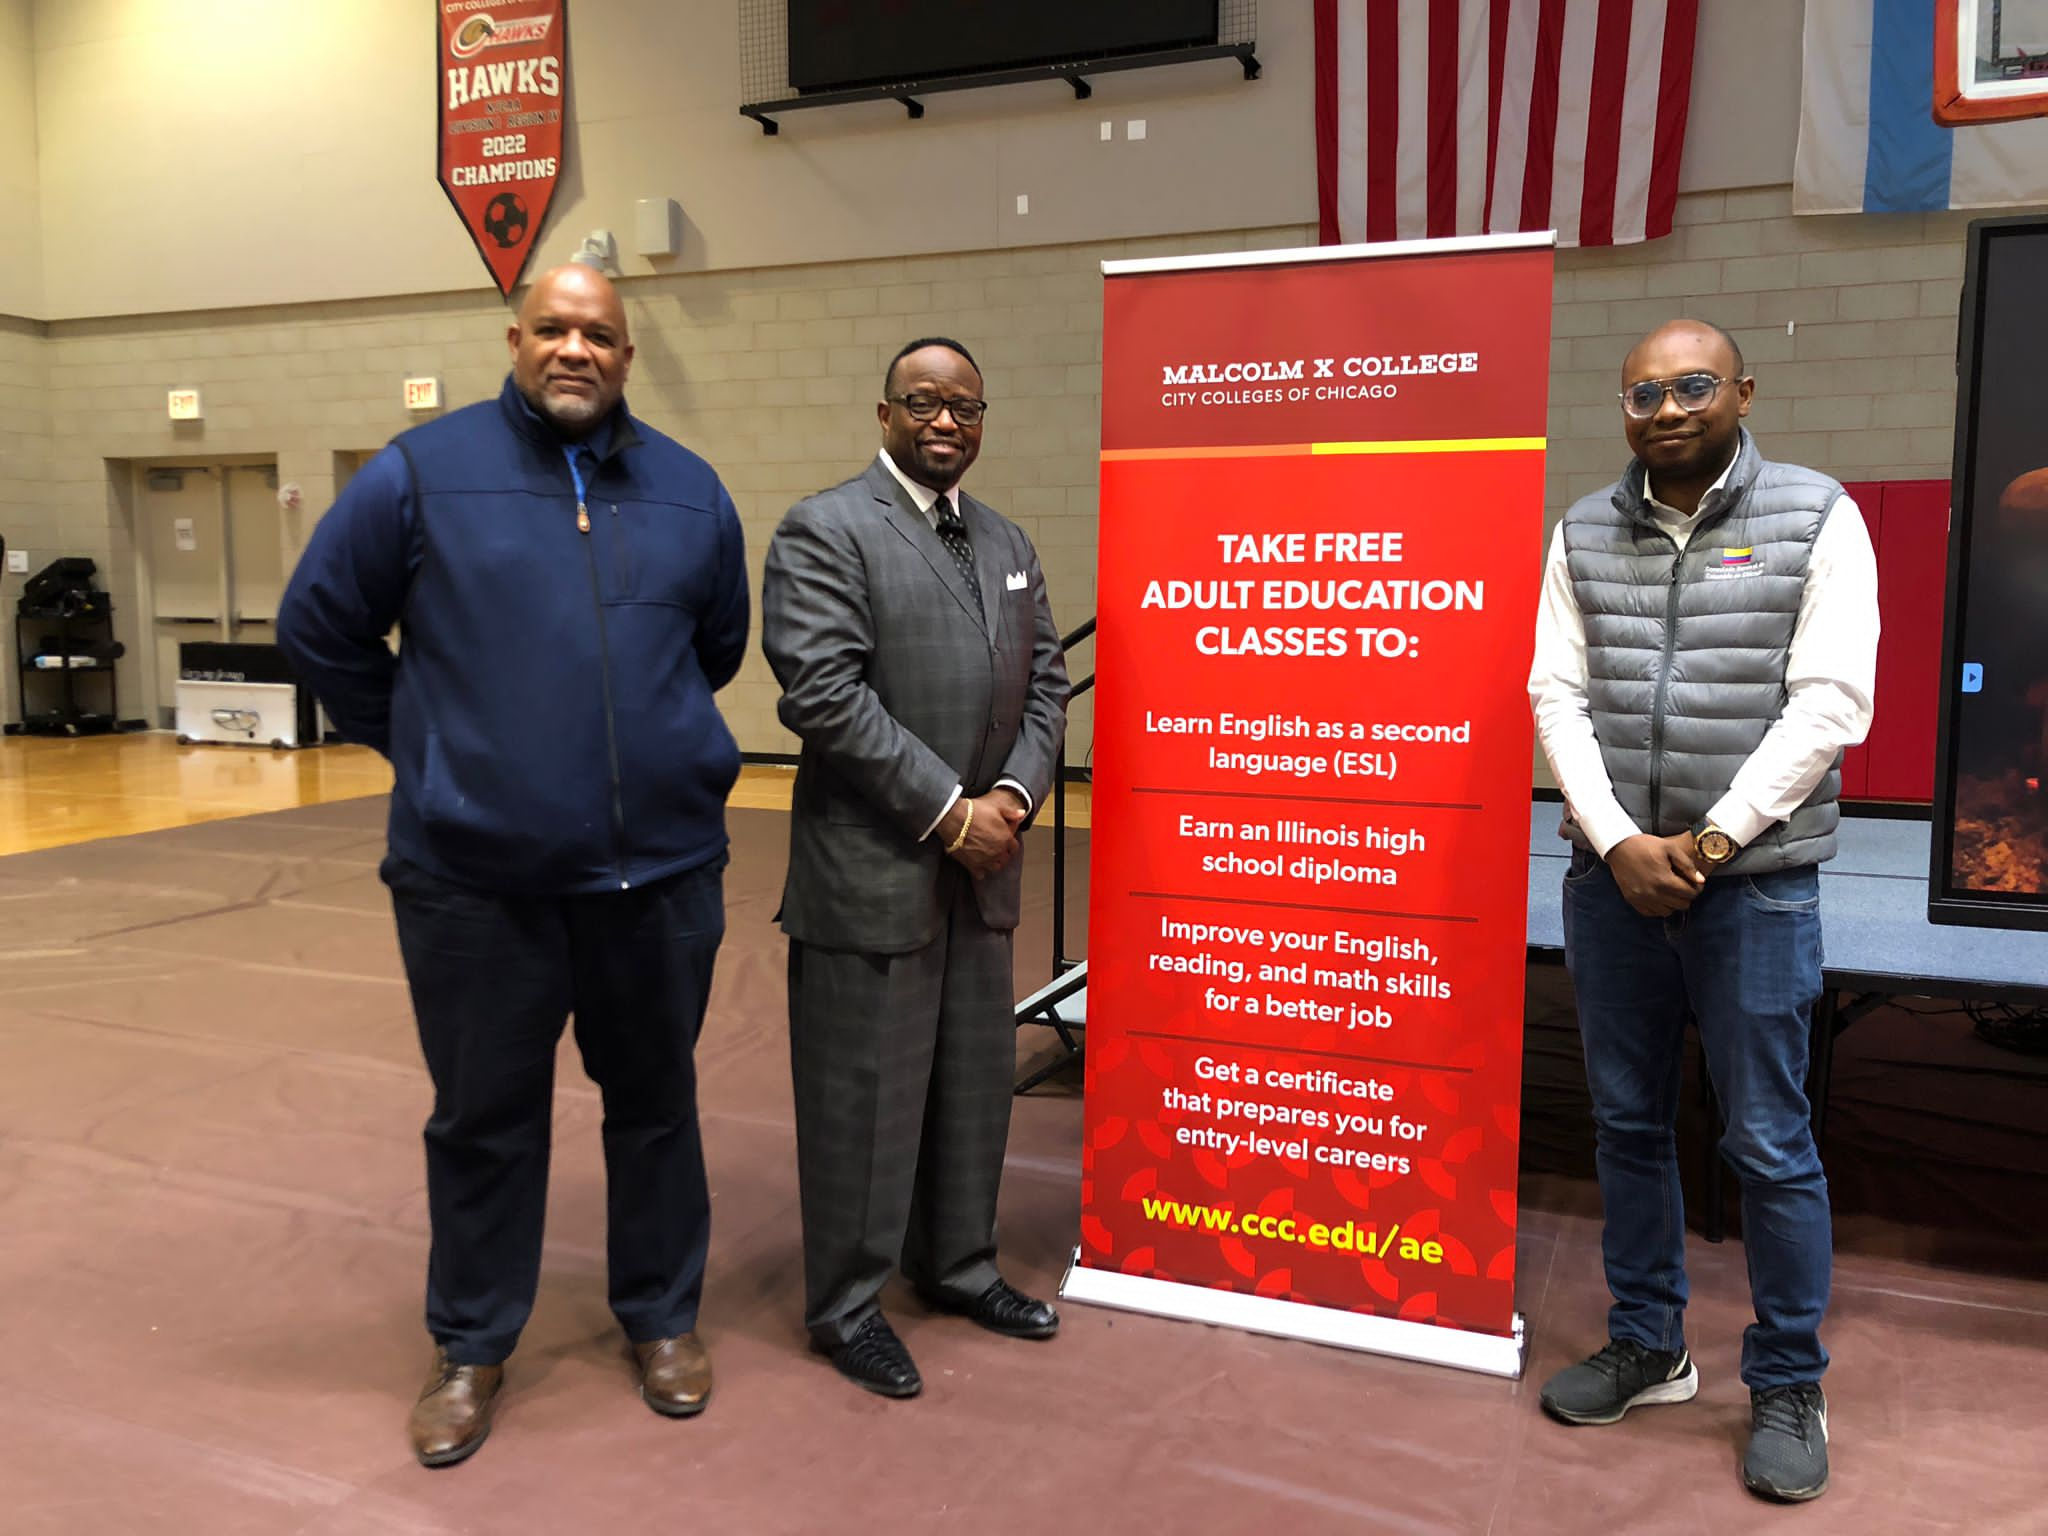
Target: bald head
1684	444
1699	336
573	283
570	348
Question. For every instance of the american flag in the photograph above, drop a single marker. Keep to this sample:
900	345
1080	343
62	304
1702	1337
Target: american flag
1466	117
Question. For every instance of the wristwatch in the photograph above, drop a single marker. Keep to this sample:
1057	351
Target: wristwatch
1713	846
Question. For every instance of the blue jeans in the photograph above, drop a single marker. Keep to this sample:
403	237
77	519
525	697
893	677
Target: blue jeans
1746	960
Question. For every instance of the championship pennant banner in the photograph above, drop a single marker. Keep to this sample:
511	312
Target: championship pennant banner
501	74
1321	519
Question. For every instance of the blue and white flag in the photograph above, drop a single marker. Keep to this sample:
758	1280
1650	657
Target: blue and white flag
1868	142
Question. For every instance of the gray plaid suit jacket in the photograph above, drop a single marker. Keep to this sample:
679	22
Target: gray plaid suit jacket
900	687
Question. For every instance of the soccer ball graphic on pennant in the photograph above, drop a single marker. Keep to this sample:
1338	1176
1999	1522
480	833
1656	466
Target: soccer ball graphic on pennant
505	219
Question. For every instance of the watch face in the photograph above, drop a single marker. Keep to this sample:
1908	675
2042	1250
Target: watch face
1716	846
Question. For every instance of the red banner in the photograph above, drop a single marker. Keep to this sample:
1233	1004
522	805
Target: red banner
502	75
1322	506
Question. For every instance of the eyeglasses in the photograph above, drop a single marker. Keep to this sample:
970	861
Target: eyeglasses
966	413
1693	391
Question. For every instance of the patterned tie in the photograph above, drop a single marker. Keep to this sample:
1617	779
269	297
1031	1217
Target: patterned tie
953	534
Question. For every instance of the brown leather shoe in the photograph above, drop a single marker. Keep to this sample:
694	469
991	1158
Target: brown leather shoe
675	1375
453	1414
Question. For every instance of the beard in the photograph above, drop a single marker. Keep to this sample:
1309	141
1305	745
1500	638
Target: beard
941	473
572	413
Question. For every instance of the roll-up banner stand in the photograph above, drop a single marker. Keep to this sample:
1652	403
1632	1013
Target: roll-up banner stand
1321	520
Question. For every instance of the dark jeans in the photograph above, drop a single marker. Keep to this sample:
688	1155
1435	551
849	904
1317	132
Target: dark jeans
493	980
1746	960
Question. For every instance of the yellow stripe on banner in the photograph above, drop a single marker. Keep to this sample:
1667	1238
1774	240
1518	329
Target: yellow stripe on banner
1304	450
1234	451
1439	445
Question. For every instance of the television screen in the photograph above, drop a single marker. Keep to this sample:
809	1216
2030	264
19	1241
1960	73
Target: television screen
1990	844
840	44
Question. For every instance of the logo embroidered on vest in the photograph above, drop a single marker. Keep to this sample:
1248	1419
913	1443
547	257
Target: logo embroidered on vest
1736	562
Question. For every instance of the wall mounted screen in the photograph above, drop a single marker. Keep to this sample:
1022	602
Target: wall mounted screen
1990	844
841	44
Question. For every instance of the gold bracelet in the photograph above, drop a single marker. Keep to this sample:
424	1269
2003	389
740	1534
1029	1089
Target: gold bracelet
960	837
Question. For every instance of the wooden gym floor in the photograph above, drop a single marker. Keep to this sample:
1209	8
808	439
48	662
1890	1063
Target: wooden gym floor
57	790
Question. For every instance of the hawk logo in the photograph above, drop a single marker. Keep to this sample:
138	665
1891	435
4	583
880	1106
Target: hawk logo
481	32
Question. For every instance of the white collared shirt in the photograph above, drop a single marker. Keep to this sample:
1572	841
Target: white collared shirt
1830	676
926	500
923	497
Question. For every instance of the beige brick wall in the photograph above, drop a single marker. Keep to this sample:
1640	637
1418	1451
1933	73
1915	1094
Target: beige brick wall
1861	385
771	374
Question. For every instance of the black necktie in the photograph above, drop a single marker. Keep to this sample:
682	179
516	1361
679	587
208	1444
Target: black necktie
953	534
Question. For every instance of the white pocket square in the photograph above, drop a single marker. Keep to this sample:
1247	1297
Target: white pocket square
1016	581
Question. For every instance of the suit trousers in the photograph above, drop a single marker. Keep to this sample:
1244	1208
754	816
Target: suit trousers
493	981
902	1067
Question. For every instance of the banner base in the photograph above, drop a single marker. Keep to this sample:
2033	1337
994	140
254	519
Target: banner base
1487	1353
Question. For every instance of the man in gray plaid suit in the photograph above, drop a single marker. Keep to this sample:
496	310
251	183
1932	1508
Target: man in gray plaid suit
909	627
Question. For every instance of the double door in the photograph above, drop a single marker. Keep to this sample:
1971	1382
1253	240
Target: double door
212	542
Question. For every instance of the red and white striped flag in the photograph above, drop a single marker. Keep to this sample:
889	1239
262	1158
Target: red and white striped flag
1466	117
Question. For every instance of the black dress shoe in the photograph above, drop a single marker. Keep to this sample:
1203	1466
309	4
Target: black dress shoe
875	1358
1005	1310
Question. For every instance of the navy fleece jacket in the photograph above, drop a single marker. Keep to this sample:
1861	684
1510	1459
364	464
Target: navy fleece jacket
549	713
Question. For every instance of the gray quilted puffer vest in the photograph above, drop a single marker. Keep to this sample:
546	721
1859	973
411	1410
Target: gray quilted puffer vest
1685	653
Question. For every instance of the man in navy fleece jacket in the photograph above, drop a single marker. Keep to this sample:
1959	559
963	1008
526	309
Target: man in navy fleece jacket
570	589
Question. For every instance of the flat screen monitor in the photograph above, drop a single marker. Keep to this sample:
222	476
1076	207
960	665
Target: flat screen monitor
842	44
1990	843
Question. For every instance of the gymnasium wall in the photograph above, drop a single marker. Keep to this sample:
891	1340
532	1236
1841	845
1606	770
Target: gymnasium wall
809	258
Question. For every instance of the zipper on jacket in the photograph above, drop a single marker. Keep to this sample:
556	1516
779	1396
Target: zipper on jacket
611	728
604	671
1671	592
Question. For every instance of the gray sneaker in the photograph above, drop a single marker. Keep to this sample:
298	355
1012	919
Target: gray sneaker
1788	1443
1602	1387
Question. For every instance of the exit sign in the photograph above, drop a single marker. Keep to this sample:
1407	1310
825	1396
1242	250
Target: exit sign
423	394
184	405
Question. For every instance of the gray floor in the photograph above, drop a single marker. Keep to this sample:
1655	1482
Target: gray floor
214	1231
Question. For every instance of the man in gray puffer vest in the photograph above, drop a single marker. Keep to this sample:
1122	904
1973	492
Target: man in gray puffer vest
1705	649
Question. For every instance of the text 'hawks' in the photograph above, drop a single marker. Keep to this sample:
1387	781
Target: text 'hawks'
523	77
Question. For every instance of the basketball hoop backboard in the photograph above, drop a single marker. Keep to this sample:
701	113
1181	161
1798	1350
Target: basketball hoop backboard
1990	61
